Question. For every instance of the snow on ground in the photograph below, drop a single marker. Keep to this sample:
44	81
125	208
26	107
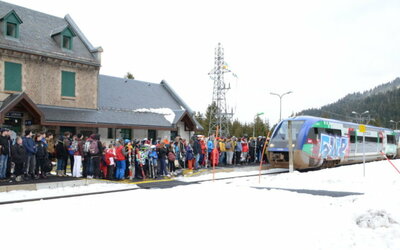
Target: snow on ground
226	214
41	193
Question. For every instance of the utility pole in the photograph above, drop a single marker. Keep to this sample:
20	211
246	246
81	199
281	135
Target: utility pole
219	109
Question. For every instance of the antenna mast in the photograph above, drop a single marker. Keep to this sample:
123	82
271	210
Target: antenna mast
219	115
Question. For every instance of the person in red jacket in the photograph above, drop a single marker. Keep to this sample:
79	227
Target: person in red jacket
245	150
110	161
120	154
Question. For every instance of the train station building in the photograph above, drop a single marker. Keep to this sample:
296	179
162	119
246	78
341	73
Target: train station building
50	80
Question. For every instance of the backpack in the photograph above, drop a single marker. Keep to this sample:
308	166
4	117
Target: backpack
171	156
228	145
94	147
86	146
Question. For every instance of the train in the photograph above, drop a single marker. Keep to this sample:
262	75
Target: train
319	142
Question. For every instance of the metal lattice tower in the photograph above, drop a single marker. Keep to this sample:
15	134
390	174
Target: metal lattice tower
219	116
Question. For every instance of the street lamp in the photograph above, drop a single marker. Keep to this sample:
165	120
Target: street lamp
280	102
360	115
394	123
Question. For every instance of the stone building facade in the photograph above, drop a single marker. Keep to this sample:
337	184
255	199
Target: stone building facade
49	80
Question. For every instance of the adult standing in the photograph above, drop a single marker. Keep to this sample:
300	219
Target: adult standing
61	155
70	154
30	164
229	150
18	157
4	152
41	155
77	146
196	152
171	156
120	160
162	153
51	148
95	153
238	151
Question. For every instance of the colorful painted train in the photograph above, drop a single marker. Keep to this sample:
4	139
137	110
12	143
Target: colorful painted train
320	142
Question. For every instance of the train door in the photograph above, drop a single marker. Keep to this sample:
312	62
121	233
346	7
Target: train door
381	142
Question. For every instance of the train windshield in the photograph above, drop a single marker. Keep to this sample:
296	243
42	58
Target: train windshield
282	134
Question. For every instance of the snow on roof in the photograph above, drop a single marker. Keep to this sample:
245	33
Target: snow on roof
167	112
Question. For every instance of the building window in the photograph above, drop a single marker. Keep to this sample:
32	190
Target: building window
11	22
174	134
110	133
151	135
12	76
126	133
67	84
11	30
67	42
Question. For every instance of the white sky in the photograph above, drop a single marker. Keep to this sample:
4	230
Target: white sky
320	50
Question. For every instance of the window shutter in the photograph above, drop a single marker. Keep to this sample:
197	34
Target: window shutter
68	84
12	76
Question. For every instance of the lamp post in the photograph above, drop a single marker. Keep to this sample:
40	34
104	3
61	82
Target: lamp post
395	123
360	115
280	101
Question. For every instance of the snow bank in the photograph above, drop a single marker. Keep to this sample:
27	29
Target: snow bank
227	214
375	219
167	112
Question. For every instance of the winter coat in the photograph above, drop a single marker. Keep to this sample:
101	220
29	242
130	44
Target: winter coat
210	146
196	147
41	151
245	147
110	157
162	152
120	153
238	147
18	154
189	153
5	146
50	146
29	145
79	150
61	151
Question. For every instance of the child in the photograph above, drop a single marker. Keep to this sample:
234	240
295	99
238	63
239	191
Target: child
110	161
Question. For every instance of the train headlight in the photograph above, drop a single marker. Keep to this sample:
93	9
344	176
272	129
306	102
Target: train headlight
271	145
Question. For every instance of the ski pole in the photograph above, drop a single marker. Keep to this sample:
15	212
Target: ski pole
390	162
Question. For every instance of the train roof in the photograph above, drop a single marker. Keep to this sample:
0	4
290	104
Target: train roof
314	119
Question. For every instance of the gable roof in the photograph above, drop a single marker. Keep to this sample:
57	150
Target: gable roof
35	36
11	12
150	101
19	99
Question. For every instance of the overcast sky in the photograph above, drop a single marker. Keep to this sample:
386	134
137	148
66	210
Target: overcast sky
320	50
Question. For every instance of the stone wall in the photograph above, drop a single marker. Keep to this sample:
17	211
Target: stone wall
41	80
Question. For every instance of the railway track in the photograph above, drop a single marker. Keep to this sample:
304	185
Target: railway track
156	184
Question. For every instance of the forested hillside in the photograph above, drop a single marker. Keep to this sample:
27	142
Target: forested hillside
382	102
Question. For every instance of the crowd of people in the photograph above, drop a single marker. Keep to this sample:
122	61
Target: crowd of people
34	156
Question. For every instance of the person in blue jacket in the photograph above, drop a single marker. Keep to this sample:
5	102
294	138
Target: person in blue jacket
30	164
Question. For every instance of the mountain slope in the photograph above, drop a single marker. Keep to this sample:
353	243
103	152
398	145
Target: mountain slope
382	102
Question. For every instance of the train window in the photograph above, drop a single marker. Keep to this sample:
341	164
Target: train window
352	137
334	132
368	139
391	139
282	133
313	133
371	139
